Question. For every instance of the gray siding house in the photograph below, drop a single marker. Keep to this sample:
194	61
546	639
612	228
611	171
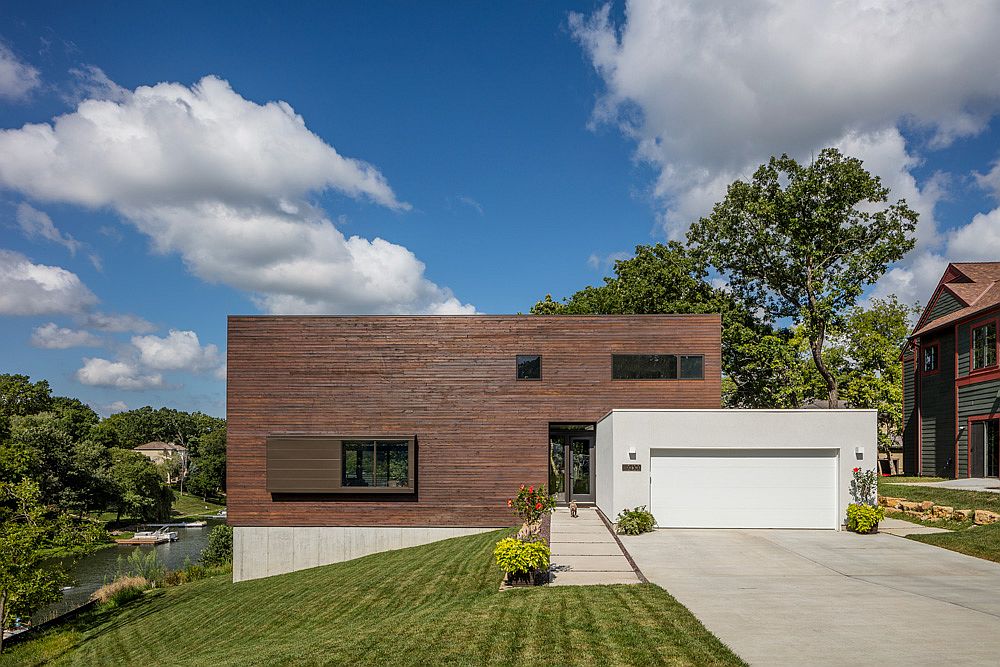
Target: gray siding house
951	377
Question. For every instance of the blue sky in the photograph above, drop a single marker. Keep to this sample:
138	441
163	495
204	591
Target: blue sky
430	157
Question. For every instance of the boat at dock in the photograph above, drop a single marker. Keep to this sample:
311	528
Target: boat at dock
150	537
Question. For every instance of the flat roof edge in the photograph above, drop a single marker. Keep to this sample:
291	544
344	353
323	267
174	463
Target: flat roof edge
758	410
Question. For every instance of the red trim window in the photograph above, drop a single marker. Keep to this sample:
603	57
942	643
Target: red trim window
983	348
929	355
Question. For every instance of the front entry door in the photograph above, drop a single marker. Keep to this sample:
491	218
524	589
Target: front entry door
571	467
984	448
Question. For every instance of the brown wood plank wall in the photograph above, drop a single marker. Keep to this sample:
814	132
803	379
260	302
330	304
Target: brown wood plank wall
450	381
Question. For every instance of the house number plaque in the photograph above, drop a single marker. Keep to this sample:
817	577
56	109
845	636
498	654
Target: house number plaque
631	467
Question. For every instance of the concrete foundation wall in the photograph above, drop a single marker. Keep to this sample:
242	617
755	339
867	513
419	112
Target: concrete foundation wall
260	551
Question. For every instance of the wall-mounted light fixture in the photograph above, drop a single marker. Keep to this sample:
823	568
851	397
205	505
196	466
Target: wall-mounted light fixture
631	453
859	452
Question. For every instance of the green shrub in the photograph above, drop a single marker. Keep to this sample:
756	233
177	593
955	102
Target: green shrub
219	549
635	521
519	557
864	518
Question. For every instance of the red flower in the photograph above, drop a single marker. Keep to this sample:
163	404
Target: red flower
538	506
857	469
531	489
510	503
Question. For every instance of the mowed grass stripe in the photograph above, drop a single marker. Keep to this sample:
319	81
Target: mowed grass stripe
429	605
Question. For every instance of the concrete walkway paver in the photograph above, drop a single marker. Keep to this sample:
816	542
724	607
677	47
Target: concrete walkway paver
810	597
584	552
901	528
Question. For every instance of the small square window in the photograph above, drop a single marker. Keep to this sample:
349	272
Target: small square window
529	367
931	358
692	367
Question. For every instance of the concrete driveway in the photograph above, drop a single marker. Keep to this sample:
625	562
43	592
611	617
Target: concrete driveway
804	597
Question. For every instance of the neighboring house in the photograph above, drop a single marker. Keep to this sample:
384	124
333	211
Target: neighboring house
159	452
951	378
351	435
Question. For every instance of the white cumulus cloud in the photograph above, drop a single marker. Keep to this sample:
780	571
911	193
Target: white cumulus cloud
708	90
99	372
38	224
178	350
17	78
225	182
27	288
54	337
116	322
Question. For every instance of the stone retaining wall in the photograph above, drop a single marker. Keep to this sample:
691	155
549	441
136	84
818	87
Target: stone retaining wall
928	511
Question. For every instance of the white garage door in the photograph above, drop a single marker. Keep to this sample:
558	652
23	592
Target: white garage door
754	488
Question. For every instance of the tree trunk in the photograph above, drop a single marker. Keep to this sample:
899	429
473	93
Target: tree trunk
816	347
3	617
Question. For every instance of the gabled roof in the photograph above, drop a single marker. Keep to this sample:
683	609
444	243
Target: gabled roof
159	446
975	284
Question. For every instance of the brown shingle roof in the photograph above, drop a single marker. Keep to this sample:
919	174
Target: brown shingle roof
157	446
976	284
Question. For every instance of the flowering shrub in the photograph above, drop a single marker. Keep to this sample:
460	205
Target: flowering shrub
520	558
863	487
635	521
864	518
531	504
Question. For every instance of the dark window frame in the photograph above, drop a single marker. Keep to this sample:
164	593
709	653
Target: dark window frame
972	345
677	366
312	463
376	444
517	367
935	349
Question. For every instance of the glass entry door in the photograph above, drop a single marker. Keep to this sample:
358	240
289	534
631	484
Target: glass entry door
571	467
984	448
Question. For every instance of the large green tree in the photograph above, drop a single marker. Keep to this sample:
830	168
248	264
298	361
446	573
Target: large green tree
140	492
26	527
803	242
20	396
758	363
208	470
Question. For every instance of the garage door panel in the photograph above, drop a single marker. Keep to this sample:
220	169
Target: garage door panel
744	488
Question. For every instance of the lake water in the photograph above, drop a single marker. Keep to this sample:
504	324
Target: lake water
92	571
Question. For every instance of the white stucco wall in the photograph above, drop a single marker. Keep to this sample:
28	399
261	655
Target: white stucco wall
643	430
604	478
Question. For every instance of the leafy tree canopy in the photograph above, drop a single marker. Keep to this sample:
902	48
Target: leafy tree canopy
803	241
20	396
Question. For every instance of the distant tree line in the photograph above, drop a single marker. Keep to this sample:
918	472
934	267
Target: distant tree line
84	465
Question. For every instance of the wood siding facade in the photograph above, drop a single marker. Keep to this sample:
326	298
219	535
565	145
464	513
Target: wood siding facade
449	382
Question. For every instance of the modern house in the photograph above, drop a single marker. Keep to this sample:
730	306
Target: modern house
160	452
951	378
351	435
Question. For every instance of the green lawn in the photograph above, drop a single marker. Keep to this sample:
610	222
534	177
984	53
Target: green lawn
429	605
905	479
982	500
981	541
188	506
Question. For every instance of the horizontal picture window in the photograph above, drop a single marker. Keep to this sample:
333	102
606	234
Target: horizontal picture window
657	367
